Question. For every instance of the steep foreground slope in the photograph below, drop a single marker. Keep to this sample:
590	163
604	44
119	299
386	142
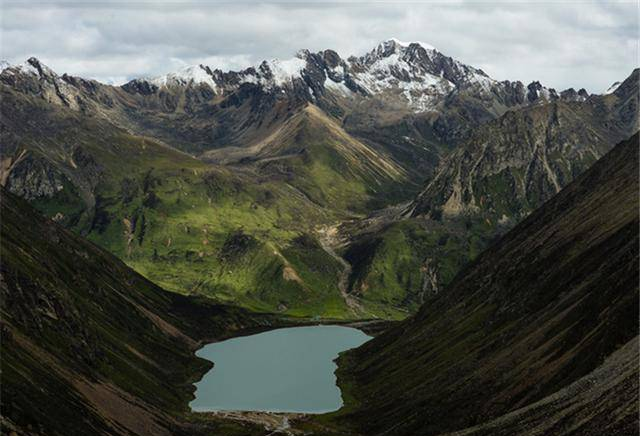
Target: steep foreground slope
91	347
553	300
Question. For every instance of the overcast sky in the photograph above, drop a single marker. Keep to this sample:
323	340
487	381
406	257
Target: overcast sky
570	43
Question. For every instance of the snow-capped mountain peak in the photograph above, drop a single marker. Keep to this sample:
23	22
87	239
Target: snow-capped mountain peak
31	66
277	72
413	71
192	74
52	87
393	46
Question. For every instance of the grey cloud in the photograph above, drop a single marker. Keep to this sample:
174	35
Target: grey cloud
563	44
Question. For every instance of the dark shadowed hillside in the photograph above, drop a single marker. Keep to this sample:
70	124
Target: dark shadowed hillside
91	347
537	336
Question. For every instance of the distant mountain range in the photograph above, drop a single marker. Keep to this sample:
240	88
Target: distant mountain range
411	71
396	79
286	151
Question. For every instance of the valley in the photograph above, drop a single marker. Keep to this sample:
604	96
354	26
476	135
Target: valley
220	184
483	232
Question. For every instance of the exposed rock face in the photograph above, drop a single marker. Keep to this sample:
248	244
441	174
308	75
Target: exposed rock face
430	283
510	166
541	309
35	78
625	109
571	95
33	178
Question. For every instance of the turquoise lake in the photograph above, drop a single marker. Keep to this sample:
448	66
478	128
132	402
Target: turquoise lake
284	370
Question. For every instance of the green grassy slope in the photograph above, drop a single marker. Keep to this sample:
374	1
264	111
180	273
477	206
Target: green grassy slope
407	261
220	235
174	218
88	345
313	153
538	310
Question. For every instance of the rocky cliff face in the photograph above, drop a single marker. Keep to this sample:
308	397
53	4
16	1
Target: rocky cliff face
542	308
511	165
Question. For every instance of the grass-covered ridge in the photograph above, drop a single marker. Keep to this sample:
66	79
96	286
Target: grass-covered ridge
408	261
234	234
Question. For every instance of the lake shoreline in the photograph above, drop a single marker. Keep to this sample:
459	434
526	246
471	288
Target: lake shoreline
285	370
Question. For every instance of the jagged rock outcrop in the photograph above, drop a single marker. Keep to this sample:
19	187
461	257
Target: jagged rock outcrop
33	178
408	79
510	166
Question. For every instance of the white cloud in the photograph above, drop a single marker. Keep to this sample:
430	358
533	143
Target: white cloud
562	44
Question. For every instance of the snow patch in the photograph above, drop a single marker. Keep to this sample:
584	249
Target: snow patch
421	89
285	71
613	87
191	74
407	44
24	67
337	87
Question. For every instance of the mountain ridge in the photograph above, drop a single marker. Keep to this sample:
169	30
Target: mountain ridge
391	60
258	152
542	307
280	72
